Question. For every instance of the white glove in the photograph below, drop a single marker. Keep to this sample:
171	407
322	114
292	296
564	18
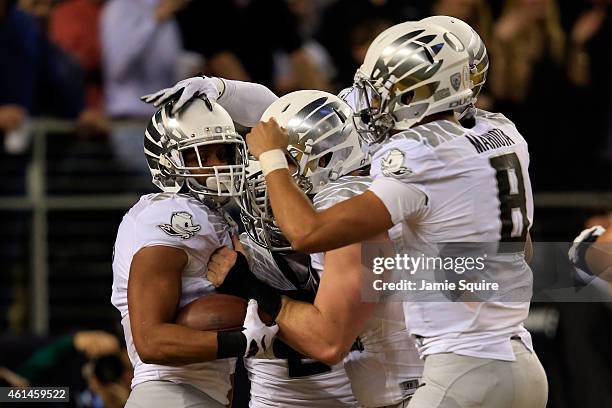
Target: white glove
259	336
581	243
191	88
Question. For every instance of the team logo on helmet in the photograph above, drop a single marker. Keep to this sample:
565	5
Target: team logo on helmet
392	164
181	225
455	80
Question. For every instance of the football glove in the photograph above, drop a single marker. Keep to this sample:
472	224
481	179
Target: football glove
582	242
254	340
186	90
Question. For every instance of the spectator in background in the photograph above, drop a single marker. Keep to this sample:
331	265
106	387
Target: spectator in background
529	42
60	88
362	36
39	9
73	26
35	77
107	373
286	78
239	40
50	358
108	378
19	37
527	75
12	117
477	13
140	54
341	19
140	51
589	68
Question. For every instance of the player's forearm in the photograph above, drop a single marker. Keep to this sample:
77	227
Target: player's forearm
174	345
312	333
293	211
306	229
349	222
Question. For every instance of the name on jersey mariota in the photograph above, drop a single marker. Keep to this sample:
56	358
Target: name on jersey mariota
493	139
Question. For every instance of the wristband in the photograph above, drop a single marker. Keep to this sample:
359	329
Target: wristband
230	344
236	279
272	160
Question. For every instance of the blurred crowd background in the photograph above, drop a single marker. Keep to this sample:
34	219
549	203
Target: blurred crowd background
71	161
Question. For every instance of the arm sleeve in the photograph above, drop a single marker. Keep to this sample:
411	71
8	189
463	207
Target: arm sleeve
402	200
198	37
245	101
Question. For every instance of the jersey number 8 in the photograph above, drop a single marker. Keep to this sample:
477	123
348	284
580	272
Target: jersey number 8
511	194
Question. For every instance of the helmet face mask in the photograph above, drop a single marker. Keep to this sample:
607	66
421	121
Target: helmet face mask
225	180
256	212
371	125
174	147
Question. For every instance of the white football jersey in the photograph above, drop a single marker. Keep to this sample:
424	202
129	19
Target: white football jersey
178	221
294	381
477	190
388	369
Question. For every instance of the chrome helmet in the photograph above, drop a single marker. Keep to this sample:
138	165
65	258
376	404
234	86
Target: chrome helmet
169	138
324	146
411	70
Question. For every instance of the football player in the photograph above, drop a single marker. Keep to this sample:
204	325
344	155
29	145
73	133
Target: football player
293	380
469	116
162	248
384	369
441	183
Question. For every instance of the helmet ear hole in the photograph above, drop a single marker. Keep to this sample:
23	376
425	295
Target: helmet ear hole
407	98
325	159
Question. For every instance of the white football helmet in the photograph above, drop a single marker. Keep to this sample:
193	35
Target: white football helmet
324	144
477	52
168	138
324	147
410	71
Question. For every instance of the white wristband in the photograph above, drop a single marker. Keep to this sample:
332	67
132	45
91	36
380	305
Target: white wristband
272	160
